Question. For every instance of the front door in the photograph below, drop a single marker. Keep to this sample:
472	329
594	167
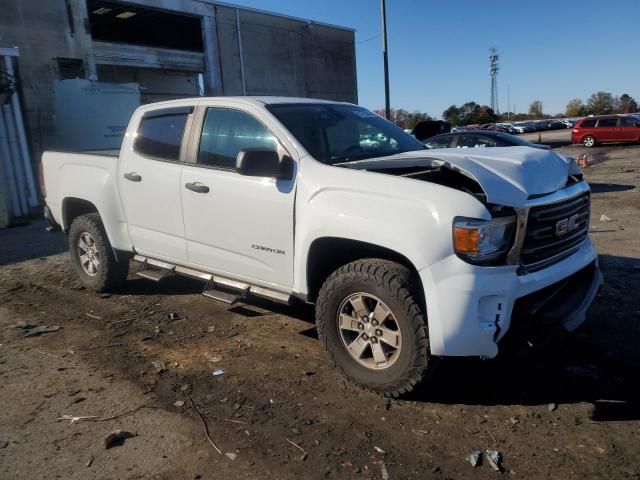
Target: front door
149	181
237	225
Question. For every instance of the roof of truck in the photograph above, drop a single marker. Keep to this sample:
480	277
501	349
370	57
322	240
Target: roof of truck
266	100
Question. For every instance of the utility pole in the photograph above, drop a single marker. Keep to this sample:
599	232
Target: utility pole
508	102
387	102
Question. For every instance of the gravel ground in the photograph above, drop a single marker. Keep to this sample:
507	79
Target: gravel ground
567	410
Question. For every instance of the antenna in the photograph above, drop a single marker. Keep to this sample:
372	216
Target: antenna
494	66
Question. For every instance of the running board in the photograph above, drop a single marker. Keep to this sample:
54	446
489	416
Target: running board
217	287
230	297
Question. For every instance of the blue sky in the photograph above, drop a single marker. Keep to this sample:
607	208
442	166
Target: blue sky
549	50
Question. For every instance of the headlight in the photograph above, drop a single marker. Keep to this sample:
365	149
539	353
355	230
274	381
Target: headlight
483	242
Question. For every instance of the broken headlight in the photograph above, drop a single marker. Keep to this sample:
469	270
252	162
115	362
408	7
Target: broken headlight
483	242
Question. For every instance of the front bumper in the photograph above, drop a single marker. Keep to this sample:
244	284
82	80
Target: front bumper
471	308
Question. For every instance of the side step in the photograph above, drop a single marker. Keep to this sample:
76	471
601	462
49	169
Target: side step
217	287
230	297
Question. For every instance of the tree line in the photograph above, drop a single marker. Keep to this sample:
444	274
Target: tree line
600	103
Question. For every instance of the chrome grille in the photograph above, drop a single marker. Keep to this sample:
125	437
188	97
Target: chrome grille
555	230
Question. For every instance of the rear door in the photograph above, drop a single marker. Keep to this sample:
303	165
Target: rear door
149	182
607	130
629	129
236	225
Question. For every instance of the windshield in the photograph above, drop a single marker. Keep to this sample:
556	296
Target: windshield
335	133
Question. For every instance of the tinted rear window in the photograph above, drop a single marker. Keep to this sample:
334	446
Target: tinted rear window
160	135
590	123
607	122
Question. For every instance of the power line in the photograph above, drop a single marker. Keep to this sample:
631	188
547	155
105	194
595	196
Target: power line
369	39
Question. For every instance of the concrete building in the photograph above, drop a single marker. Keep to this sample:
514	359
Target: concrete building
170	49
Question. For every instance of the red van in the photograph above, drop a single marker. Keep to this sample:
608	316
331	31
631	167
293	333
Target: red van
612	128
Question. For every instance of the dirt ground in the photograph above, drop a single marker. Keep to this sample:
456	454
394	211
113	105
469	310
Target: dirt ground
566	410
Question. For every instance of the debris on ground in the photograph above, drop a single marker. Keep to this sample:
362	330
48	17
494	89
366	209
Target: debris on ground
95	317
23	325
475	458
4	444
514	420
552	406
218	372
495	458
379	450
383	468
303	457
206	427
159	366
34	330
117	438
173	316
89	462
231	455
73	419
178	403
604	218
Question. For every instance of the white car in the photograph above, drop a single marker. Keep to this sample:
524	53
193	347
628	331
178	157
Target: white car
407	254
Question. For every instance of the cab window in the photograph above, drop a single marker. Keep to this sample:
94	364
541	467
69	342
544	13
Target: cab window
225	132
473	141
160	133
439	141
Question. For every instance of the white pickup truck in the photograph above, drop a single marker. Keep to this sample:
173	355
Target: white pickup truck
408	254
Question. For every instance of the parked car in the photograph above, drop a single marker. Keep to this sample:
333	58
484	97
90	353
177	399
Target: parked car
474	139
510	128
606	129
429	128
327	202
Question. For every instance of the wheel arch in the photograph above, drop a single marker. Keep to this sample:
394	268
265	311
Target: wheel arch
327	254
72	208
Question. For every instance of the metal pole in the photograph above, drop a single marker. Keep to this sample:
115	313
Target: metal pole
14	159
22	139
387	102
239	33
10	178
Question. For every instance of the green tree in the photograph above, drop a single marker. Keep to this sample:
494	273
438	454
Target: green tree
600	103
452	115
535	109
469	113
575	108
626	104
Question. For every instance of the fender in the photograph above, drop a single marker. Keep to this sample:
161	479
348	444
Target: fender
410	217
81	183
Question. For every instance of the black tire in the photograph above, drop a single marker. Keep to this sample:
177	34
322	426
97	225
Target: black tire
109	272
589	141
391	283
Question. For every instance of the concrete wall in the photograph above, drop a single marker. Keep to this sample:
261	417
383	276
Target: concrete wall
281	55
42	31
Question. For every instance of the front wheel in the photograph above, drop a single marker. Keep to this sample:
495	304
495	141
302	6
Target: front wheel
588	141
92	255
372	324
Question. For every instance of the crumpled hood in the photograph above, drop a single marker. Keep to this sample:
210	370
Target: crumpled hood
508	175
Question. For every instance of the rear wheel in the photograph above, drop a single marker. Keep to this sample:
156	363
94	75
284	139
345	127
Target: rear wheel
589	141
92	255
371	323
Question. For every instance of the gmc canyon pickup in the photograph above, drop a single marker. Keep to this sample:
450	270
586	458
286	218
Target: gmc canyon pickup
408	254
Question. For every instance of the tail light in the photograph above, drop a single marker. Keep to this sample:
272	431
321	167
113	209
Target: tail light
41	179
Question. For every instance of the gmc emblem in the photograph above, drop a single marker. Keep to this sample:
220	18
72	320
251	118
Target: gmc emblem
567	225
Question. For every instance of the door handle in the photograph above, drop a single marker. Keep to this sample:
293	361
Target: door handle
134	177
196	187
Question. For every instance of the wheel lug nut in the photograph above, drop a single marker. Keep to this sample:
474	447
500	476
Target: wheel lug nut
360	326
379	333
365	336
374	322
374	340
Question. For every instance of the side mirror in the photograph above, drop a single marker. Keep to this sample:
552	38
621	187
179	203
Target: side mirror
262	162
